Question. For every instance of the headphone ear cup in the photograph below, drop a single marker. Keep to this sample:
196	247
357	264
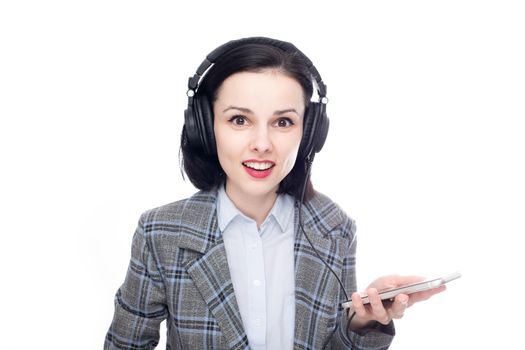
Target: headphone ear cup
191	129
206	116
199	125
321	129
315	129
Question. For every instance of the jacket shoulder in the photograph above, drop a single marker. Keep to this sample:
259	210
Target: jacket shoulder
200	202
328	216
188	223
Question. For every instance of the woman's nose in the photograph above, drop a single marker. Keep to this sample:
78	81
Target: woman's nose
261	141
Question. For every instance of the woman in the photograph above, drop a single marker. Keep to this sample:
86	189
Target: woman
257	259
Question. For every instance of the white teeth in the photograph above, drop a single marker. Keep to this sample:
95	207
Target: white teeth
258	166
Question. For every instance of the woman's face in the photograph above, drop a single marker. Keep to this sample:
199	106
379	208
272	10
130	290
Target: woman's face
258	128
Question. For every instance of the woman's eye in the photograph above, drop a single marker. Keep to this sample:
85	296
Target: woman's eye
284	122
238	120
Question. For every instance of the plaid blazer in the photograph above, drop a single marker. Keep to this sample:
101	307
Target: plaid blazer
179	272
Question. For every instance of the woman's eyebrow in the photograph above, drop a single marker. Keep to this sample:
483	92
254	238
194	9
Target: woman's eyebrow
249	111
285	111
245	110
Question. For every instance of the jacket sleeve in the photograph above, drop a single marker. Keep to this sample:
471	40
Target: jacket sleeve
140	303
378	337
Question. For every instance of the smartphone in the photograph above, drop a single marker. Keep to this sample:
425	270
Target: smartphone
408	289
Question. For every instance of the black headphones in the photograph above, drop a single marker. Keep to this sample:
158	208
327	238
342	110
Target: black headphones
198	117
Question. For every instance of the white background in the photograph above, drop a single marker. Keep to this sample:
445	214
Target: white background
425	151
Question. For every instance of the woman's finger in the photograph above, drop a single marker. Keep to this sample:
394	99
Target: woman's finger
378	310
400	304
421	296
357	304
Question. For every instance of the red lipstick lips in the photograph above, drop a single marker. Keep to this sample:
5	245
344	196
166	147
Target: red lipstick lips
258	169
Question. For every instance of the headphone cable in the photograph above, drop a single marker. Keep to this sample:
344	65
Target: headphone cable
309	161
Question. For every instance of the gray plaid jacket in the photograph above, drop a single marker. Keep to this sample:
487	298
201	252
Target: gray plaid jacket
179	272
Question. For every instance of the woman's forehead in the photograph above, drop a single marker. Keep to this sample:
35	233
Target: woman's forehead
269	88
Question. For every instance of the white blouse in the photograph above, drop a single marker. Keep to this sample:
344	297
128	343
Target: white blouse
261	266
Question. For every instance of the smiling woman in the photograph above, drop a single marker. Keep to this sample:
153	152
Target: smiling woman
256	259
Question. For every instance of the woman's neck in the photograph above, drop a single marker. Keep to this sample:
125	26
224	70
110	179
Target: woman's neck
254	207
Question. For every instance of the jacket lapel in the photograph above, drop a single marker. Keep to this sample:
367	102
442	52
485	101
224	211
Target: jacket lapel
211	275
210	271
316	289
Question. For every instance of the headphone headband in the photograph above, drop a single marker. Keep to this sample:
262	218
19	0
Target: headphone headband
193	82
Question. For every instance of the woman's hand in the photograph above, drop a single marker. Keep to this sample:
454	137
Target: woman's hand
384	311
